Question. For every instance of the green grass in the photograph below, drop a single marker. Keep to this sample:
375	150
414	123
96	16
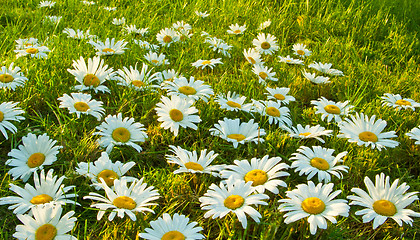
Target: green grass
375	44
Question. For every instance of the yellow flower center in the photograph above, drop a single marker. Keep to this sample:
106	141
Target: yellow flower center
300	52
46	232
32	50
155	61
81	106
194	166
368	137
313	205
187	90
121	134
332	109
265	45
279	96
41	199
272	111
319	163
233	104
6	78
176	115
234	201
384	208
91	80
237	31
173	235
403	102
108	176
1	116
206	62
137	83
167	39
258	177
305	134
237	136
108	50
124	202
263	75
252	60
35	160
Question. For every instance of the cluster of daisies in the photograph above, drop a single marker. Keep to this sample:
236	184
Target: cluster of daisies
243	186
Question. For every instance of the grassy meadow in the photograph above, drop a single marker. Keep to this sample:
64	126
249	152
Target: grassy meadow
375	43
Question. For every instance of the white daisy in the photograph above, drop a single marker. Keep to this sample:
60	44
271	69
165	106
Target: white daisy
265	44
264	73
202	14
236	197
46	223
104	168
190	162
383	201
253	56
48	4
48	191
53	19
88	2
92	75
167	36
233	102
332	110
308	132
110	9
118	131
34	153
314	202
218	45
132	29
177	112
290	60
397	102
189	89
167	228
279	95
33	51
264	25
300	50
315	79
181	25
232	130
138	80
366	131
146	45
326	68
118	21
318	160
415	134
184	35
156	60
23	43
82	103
9	112
236	29
109	47
206	63
78	34
263	173
169	75
274	111
124	199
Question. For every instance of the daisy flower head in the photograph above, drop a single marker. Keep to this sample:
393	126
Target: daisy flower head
265	44
184	35
48	191
156	60
264	25
275	112
181	25
23	43
109	47
397	102
219	45
88	2
206	63
48	4
11	77
308	132
189	89
33	52
300	50
9	112
415	134
236	29
78	34
124	199
326	68
190	162
236	197
202	14
106	169
132	29
232	130
177	112
279	95
118	21
318	160
264	73
315	202
253	56
46	223
139	80
289	60
34	153
82	103
167	36
118	131
146	45
110	9
233	102
91	75
169	75
366	131
262	172
53	19
176	227
384	200
332	110
315	79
